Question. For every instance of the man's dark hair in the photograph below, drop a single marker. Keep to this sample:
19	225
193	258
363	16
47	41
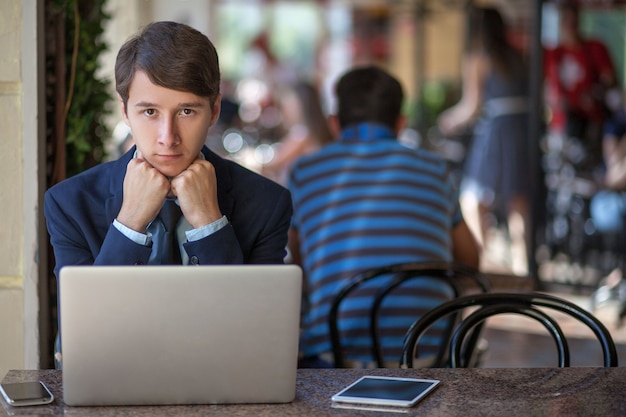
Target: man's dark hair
368	95
173	55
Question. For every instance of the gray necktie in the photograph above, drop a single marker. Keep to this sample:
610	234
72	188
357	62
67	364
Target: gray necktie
170	215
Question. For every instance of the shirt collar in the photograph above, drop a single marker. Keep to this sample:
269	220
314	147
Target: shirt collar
366	132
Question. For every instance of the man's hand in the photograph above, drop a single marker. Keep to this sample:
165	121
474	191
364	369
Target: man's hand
196	190
145	189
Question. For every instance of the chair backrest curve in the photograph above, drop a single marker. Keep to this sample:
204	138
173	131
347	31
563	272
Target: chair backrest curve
527	304
443	271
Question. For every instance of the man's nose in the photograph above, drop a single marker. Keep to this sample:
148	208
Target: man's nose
168	132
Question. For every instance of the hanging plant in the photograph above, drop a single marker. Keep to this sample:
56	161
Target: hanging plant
77	98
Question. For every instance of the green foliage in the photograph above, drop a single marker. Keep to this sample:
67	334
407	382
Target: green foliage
435	97
86	131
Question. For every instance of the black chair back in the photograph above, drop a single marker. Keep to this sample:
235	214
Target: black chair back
457	277
534	305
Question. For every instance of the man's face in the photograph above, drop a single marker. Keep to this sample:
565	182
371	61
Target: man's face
569	23
168	126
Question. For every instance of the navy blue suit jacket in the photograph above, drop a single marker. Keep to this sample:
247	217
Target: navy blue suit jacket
80	211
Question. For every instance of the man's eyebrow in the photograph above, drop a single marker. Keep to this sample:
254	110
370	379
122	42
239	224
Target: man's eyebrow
144	104
192	104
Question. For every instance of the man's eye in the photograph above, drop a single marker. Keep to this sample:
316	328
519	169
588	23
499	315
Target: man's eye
149	112
187	112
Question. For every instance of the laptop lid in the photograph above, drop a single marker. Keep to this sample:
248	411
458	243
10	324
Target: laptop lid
148	335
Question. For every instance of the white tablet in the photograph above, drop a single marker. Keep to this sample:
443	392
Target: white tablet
388	391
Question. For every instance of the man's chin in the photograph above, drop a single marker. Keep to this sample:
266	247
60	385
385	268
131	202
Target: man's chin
170	166
170	171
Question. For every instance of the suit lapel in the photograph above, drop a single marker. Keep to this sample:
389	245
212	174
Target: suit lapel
113	203
224	182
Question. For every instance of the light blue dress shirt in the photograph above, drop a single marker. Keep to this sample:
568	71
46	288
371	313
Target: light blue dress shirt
184	233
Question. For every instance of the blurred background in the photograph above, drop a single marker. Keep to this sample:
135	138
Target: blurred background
265	48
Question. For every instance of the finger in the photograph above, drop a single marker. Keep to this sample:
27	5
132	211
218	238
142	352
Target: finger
172	192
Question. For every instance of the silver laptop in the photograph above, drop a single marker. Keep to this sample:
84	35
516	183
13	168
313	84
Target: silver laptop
149	335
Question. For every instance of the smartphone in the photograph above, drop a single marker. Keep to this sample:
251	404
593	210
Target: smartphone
386	391
26	393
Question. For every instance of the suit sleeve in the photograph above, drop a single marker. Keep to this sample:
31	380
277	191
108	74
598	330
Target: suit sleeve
219	248
270	247
78	239
260	239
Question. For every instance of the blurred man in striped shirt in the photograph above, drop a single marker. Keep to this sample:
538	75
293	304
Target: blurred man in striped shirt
367	201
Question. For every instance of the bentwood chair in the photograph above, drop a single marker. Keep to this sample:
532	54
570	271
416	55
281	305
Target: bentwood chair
538	306
454	279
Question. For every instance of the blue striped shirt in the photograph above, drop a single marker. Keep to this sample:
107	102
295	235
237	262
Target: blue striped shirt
367	201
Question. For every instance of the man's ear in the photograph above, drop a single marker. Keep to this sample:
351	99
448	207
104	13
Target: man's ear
123	107
333	124
401	123
217	108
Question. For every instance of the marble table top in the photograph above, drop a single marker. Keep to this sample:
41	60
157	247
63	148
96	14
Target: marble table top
577	391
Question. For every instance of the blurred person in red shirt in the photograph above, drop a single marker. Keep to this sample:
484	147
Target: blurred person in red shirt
578	74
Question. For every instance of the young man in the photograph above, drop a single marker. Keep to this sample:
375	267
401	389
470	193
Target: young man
367	201
167	79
